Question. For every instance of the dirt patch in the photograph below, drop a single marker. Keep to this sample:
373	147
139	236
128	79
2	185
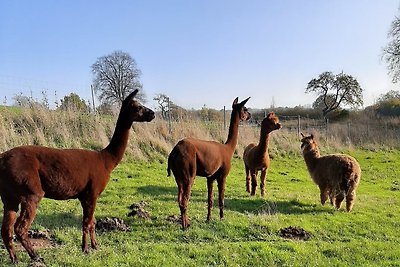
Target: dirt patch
138	209
293	232
39	240
37	263
174	219
111	224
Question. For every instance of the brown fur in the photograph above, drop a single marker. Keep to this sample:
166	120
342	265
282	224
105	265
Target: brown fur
256	157
337	176
29	173
191	157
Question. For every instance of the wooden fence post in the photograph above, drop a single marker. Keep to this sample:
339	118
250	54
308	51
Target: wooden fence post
298	125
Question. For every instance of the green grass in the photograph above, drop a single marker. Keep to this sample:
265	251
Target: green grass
249	234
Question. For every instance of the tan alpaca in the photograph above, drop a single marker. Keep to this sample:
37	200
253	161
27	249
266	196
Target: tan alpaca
337	176
256	157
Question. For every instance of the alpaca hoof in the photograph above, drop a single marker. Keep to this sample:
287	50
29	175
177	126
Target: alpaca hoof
38	261
14	259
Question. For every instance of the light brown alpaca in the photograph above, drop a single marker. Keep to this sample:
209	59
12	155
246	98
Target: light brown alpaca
191	157
337	176
256	157
29	173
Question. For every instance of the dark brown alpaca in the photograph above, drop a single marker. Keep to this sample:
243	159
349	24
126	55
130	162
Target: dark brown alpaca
29	173
337	176
256	157
191	157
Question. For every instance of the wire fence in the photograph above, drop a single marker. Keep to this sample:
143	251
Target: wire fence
357	132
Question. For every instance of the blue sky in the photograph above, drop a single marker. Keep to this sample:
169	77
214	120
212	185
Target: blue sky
197	52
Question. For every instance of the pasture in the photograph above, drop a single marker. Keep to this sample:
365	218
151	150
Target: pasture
250	233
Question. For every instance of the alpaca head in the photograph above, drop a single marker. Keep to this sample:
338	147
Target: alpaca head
244	114
132	110
271	122
308	144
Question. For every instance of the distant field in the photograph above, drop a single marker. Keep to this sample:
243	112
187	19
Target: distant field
249	235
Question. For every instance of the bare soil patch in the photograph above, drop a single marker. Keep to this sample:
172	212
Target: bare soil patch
174	219
138	210
111	224
293	232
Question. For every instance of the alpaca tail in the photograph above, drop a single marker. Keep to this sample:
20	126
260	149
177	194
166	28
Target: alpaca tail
171	157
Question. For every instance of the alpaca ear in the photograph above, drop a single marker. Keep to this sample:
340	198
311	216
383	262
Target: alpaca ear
312	136
235	101
244	101
302	135
131	95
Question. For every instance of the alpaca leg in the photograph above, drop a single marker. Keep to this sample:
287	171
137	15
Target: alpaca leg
332	196
248	179
253	182
262	182
221	196
9	218
324	195
88	224
28	211
351	192
210	184
350	199
339	199
183	202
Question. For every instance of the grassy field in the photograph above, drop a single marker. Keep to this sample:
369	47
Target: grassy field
249	235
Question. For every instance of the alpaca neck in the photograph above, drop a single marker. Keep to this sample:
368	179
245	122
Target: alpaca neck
311	158
263	142
231	142
118	143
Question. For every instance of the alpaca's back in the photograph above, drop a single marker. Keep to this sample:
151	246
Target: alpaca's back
337	169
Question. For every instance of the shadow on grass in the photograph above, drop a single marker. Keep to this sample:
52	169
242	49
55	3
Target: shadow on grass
261	206
56	220
169	193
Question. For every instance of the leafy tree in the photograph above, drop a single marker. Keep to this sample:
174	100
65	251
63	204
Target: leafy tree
335	90
209	114
391	95
391	53
116	76
107	108
73	102
388	104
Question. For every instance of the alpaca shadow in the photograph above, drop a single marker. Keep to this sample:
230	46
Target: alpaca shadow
158	191
166	193
56	220
261	206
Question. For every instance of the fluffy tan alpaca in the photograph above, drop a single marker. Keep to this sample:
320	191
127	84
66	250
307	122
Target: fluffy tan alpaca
337	176
256	157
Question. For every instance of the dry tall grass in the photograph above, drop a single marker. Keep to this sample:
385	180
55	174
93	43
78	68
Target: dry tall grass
154	141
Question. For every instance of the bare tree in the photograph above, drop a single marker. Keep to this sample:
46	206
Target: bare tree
335	90
391	53
116	76
163	104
